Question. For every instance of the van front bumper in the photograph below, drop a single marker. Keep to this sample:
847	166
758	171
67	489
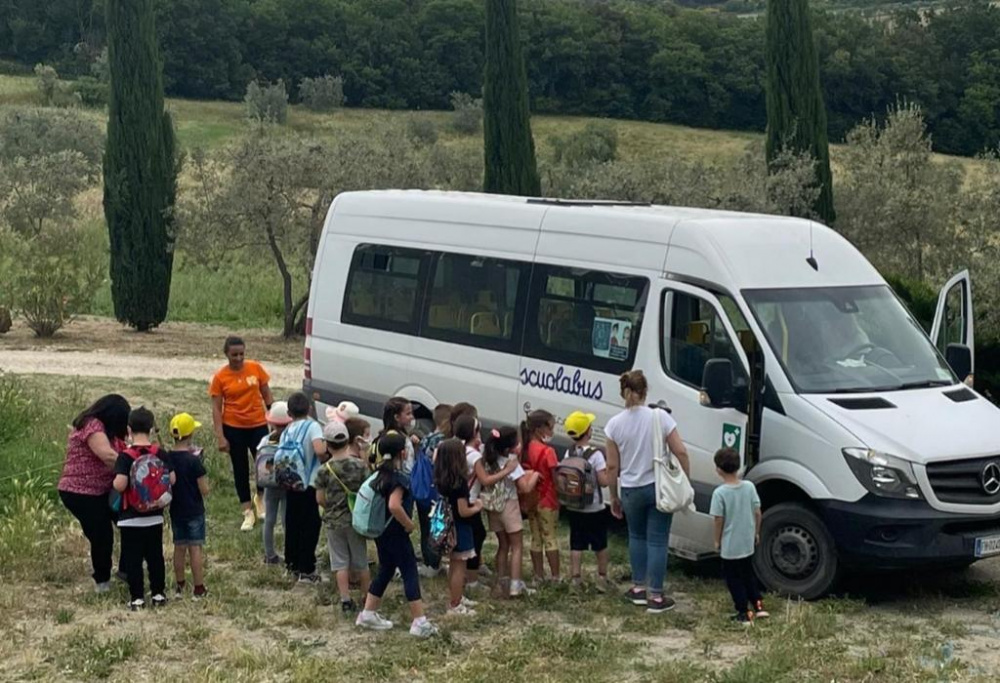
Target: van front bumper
883	533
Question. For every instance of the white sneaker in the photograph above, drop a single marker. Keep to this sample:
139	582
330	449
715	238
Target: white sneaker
519	588
424	629
427	572
103	587
373	621
485	571
249	519
468	603
461	611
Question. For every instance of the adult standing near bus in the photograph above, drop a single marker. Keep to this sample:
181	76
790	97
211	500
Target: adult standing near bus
97	437
630	453
241	398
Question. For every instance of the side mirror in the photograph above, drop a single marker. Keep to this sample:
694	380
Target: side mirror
959	357
717	383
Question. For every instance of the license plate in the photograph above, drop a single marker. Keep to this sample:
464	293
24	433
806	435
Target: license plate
987	546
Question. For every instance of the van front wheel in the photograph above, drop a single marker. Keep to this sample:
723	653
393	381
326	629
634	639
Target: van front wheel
796	556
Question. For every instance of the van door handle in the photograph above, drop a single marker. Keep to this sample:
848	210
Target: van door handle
526	407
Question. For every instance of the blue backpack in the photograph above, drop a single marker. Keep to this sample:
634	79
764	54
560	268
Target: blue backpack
290	461
422	478
369	515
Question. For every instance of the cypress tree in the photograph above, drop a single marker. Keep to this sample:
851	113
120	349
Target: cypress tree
796	115
509	147
140	170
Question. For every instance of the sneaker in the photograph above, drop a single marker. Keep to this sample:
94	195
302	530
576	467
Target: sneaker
102	587
485	571
249	519
424	629
461	611
659	603
309	579
273	560
137	605
519	588
258	504
743	618
601	584
427	572
373	621
348	606
468	603
159	600
200	593
179	593
758	610
637	596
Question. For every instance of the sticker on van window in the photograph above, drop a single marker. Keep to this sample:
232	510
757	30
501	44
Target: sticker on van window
562	382
732	436
611	338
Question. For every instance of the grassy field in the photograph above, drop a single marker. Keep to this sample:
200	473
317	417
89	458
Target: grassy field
257	626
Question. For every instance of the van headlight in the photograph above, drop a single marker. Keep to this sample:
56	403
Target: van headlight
883	474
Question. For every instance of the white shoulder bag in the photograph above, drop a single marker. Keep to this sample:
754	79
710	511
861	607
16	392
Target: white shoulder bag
673	490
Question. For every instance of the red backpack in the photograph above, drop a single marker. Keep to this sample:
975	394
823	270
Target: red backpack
148	482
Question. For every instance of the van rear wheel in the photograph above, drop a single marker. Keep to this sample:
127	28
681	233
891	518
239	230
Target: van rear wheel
796	556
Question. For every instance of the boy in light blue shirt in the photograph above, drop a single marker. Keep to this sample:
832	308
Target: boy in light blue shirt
736	508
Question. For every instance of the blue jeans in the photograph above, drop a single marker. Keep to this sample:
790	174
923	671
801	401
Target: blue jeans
648	537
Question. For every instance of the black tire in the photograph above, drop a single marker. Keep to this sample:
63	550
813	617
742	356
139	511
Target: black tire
797	556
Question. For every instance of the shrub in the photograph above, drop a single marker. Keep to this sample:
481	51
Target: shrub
597	143
16	408
421	130
47	82
91	91
468	116
268	102
322	94
33	131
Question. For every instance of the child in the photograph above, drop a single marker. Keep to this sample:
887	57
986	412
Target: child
451	482
536	432
394	548
302	522
736	508
187	508
141	533
360	434
466	429
431	560
342	474
274	498
497	471
397	416
588	528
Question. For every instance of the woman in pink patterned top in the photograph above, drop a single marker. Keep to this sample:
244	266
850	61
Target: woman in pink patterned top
98	436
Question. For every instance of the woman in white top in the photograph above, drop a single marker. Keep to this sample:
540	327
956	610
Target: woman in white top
630	455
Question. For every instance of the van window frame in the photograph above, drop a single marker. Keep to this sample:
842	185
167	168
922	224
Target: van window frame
534	348
411	328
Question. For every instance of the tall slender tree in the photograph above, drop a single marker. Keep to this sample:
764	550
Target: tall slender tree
140	168
509	147
796	115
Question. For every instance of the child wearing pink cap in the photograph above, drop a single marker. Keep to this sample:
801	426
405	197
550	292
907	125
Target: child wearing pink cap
274	498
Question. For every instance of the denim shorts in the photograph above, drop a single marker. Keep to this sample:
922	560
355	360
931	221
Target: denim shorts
189	531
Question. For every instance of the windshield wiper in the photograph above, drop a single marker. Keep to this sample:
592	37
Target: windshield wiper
926	384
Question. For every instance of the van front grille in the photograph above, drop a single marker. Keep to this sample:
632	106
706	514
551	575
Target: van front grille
969	482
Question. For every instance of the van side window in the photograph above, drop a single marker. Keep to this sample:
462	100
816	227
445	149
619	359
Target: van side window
474	301
383	288
693	334
585	318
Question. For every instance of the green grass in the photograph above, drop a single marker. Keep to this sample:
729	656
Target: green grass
257	626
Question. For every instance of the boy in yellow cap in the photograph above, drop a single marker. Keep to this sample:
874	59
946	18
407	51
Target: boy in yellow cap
588	524
187	509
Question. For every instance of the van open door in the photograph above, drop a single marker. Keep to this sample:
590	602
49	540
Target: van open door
952	331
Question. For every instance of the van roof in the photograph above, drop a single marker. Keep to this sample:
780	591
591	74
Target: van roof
733	249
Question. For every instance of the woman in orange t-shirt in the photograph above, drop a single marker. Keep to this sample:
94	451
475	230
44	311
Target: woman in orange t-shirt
241	398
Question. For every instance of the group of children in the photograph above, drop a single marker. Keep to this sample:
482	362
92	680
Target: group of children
504	475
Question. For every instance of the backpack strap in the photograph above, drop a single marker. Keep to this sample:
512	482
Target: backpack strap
339	481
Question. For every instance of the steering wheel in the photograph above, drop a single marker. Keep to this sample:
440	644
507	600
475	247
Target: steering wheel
860	349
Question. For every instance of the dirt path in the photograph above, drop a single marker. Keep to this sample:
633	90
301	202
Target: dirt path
105	364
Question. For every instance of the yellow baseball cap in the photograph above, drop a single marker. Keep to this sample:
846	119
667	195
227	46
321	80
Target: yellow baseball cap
578	423
183	425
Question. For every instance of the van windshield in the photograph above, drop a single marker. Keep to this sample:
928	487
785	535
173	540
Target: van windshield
847	339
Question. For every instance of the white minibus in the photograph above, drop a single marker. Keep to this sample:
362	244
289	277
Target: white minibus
771	335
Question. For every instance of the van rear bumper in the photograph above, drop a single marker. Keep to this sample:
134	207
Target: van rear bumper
881	533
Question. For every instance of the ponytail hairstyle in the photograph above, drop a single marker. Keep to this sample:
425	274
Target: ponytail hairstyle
499	443
535	422
390	452
466	428
459	410
390	414
450	467
634	388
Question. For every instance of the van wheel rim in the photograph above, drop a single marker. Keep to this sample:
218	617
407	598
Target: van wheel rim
794	552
